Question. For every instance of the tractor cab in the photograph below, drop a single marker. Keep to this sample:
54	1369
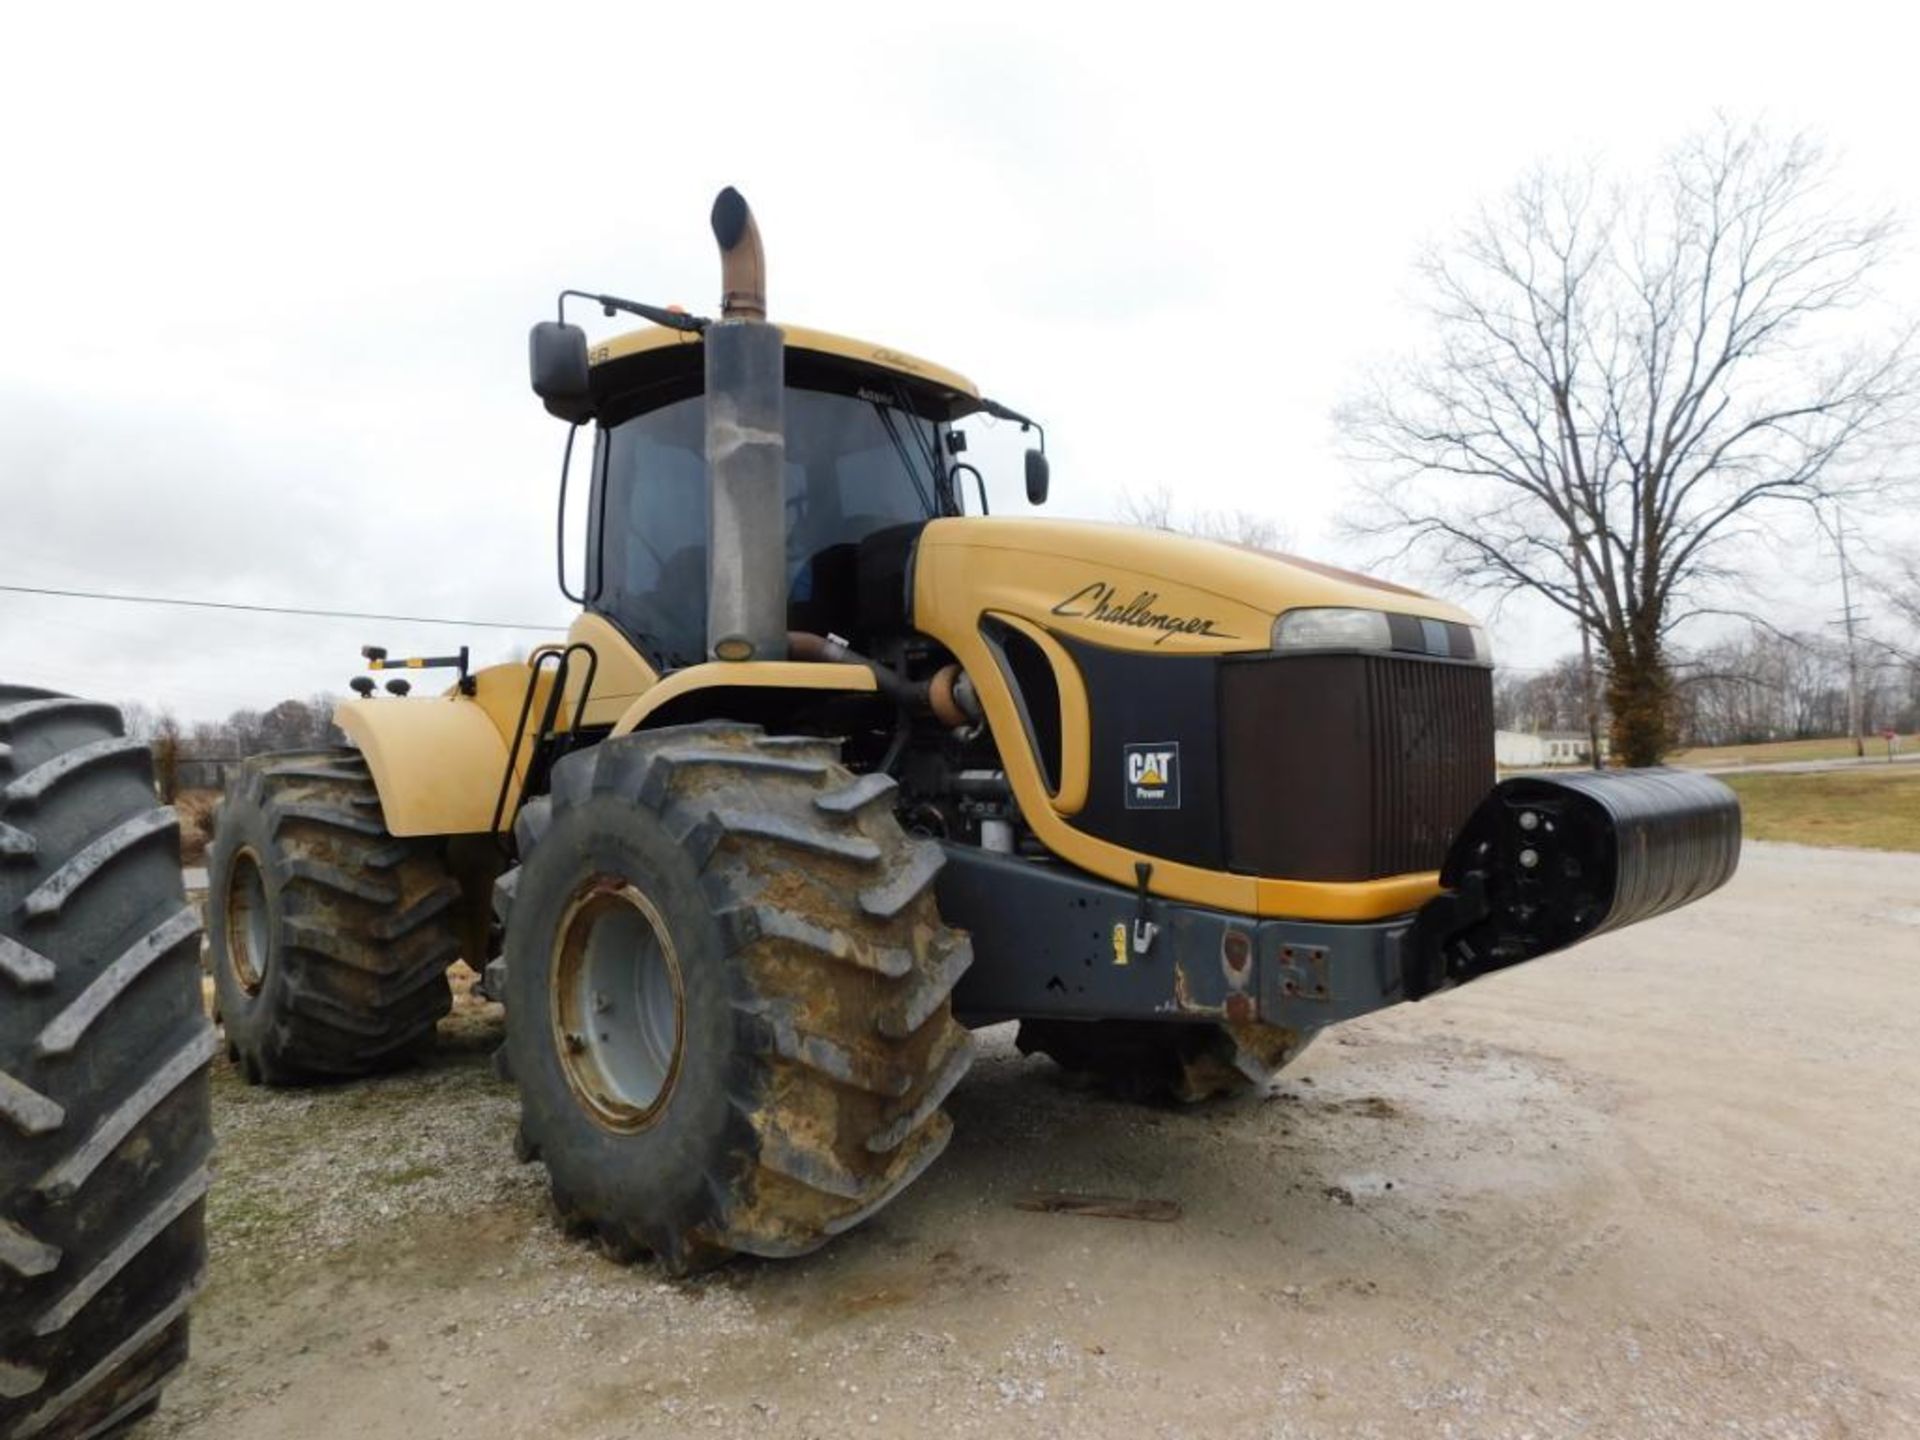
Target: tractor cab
741	470
870	450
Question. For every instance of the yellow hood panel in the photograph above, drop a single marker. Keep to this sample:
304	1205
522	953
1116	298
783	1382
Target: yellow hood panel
1129	588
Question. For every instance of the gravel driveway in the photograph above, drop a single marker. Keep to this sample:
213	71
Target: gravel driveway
1661	1186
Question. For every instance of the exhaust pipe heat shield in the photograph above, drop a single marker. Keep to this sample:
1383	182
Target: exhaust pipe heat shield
1545	862
746	451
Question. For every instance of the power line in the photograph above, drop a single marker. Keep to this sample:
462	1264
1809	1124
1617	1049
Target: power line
273	609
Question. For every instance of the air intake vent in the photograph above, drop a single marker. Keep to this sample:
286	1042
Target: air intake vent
1036	692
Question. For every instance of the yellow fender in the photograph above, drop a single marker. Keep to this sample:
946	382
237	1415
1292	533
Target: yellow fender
752	674
437	762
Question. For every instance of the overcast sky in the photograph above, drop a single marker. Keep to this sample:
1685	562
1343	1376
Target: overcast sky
266	274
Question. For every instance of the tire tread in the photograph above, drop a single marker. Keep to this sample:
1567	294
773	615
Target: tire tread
365	929
102	1194
828	908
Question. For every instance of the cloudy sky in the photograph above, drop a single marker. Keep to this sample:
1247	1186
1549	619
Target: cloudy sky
266	274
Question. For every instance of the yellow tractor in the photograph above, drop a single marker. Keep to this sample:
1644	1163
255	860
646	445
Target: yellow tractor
835	766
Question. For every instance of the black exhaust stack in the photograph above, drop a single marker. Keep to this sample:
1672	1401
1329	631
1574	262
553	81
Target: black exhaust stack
746	452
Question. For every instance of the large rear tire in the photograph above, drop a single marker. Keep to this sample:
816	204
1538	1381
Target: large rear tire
105	1130
728	992
1150	1061
330	938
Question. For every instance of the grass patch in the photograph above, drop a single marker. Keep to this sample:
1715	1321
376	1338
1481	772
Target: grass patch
1836	747
1875	809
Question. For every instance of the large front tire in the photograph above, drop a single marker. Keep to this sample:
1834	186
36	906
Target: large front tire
105	1130
330	938
727	996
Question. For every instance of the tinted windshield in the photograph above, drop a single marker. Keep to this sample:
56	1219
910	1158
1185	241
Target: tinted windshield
853	467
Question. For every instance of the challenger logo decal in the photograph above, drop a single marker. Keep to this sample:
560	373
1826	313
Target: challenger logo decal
1096	602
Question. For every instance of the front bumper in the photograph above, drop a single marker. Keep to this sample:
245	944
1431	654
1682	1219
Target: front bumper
1049	940
1541	864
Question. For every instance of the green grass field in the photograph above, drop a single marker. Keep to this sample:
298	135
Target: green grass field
1834	748
1869	808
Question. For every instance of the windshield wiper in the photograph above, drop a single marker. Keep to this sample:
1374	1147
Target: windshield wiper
906	459
930	452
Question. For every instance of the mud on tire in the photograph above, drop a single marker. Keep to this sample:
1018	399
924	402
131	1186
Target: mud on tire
798	1085
1150	1061
105	1134
330	938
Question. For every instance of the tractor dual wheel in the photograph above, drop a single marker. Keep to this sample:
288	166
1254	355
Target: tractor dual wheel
1147	1060
330	937
728	994
105	1129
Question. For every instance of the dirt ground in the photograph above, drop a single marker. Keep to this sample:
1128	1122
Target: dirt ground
1661	1186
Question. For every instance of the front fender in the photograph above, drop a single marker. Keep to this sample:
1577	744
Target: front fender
715	675
437	763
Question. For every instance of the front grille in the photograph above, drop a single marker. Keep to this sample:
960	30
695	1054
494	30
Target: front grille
1350	767
1432	758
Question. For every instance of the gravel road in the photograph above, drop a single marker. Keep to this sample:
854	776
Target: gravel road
1661	1186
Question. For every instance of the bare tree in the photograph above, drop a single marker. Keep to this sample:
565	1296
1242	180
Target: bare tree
297	725
1898	584
1550	699
1627	381
166	757
141	720
1155	510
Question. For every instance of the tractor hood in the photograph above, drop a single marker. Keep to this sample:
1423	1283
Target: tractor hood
1128	588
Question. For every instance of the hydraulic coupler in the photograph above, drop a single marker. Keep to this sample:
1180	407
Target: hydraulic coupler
1548	861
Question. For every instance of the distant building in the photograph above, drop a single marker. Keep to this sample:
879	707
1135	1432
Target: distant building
1521	750
1517	750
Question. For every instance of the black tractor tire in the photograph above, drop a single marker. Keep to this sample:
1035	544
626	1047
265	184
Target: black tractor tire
792	1084
105	1130
1152	1061
330	938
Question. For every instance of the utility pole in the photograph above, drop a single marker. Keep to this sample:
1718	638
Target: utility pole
1586	650
1847	620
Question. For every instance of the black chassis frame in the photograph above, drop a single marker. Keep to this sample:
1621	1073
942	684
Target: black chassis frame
1052	941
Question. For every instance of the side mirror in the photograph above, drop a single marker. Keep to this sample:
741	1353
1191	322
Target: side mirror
557	356
1037	476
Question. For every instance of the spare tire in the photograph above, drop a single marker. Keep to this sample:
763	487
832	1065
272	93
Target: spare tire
105	1130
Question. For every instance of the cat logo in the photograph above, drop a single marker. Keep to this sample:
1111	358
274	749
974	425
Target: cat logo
1153	776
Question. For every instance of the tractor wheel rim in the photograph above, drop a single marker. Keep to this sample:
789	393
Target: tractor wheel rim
249	922
617	1004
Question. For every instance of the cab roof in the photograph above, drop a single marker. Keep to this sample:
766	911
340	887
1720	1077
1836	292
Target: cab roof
654	351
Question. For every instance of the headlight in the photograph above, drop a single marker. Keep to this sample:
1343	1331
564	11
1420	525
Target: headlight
1340	628
1332	629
